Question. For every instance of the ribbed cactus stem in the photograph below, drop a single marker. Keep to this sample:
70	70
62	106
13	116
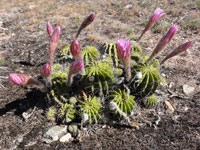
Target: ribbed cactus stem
52	50
127	69
78	56
69	80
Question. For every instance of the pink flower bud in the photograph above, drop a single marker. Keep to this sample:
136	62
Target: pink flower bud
76	50
177	51
164	41
85	23
18	79
167	38
158	13
53	43
76	67
55	35
123	49
45	70
49	29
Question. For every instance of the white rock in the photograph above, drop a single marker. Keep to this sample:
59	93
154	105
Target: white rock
128	6
20	139
188	90
171	85
55	132
31	6
66	138
163	75
139	75
85	117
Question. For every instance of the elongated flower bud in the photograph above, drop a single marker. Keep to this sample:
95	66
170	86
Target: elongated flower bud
177	51
75	68
76	50
85	23
46	72
123	49
49	29
158	13
55	35
53	43
20	79
167	38
164	41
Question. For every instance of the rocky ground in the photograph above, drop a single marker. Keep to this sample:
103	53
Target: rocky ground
24	48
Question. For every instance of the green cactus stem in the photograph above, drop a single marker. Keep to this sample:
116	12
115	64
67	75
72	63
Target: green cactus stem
124	101
90	54
111	50
65	51
91	106
151	101
67	112
98	79
148	82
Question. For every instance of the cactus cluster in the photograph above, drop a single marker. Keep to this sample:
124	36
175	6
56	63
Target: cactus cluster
116	76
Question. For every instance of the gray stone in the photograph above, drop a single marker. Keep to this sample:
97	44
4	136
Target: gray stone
55	132
66	138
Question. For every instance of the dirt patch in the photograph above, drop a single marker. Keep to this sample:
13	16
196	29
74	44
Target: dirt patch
24	48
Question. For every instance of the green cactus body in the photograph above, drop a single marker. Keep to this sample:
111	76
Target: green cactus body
124	101
67	112
65	51
59	91
111	50
151	101
90	54
91	106
148	83
136	53
51	113
99	78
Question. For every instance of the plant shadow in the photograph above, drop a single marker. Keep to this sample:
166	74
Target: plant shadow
35	98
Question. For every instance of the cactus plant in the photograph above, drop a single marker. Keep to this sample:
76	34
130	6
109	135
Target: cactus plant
119	74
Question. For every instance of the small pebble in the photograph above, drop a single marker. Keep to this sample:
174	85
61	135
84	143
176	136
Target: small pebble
169	107
66	138
20	139
188	90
